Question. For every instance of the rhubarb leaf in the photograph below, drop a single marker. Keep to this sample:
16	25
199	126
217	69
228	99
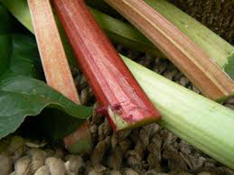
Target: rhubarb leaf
22	95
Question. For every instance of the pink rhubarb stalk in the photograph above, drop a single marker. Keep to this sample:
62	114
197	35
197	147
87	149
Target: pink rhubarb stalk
56	68
186	55
119	95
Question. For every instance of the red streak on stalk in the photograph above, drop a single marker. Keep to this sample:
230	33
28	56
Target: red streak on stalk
114	86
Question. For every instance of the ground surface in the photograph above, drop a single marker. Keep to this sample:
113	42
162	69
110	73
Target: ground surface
149	150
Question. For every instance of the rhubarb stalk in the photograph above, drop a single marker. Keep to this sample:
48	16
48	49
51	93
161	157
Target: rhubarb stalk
55	65
119	95
185	54
203	123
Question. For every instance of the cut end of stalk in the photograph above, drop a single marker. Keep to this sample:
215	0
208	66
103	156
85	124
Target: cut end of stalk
79	141
138	117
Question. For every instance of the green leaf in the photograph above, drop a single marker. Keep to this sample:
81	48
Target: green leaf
22	95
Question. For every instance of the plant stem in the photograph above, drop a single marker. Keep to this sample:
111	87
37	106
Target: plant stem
185	54
56	68
119	95
201	122
216	47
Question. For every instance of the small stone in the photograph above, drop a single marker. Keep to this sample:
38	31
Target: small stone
73	164
154	162
98	152
151	129
121	135
230	106
16	148
22	166
183	173
49	152
44	170
130	171
195	89
55	165
84	96
184	81
133	158
144	138
114	140
93	129
139	148
99	168
59	153
231	101
124	145
205	173
93	172
5	164
175	161
115	159
154	172
114	172
38	158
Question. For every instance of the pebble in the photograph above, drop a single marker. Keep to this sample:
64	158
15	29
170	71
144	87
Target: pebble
16	147
98	152
114	172
115	158
93	172
130	171
43	170
183	173
73	164
56	166
205	173
22	166
5	164
38	158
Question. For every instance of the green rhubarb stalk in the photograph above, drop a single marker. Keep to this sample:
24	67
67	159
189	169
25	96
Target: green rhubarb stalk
217	48
203	123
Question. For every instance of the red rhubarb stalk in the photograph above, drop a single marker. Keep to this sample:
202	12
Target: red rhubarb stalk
119	95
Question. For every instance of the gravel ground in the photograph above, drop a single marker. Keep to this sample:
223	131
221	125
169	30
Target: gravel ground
149	150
